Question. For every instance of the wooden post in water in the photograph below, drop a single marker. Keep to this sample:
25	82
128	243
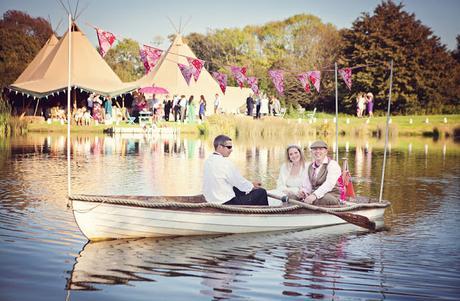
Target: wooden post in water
68	104
336	117
386	133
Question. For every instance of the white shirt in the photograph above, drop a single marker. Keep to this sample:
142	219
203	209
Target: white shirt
219	177
333	173
183	102
217	102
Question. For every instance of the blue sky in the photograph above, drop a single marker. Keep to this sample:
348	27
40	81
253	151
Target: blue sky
142	20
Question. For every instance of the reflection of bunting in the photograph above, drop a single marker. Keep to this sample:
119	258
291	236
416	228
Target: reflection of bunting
303	78
240	75
186	72
196	65
106	39
346	75
150	56
315	78
253	84
221	79
278	80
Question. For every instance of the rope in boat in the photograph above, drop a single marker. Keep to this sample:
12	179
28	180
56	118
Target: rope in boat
167	204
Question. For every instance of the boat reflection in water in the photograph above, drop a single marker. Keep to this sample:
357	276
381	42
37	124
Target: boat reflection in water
307	263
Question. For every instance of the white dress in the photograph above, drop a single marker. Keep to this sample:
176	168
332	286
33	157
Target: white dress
287	182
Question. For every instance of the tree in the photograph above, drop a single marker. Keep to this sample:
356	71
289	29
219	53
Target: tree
423	67
22	37
124	59
298	44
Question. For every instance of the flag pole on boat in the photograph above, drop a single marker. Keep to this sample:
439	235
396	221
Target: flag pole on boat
68	107
386	133
336	116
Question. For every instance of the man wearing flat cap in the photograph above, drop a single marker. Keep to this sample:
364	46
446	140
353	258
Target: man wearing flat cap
320	186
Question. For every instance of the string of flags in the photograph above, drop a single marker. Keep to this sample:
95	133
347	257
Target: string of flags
151	55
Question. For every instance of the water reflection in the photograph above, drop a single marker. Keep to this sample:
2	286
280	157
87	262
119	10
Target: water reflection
311	267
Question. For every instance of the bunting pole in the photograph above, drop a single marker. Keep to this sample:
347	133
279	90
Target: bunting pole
336	116
386	133
68	106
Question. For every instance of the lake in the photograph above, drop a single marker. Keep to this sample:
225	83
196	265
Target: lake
44	256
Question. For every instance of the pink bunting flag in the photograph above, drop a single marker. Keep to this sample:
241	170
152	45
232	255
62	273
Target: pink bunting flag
315	78
106	39
346	75
186	72
303	78
221	79
278	80
150	56
253	83
197	65
240	74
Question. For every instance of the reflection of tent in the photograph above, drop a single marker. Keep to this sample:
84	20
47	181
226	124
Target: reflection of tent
39	58
88	70
167	74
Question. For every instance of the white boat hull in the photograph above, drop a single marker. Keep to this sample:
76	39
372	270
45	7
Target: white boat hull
100	221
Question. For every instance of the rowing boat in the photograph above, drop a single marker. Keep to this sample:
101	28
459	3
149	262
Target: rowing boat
116	217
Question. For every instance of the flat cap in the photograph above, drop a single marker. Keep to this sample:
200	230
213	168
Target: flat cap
318	144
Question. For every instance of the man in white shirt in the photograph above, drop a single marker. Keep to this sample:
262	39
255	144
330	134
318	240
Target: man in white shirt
223	183
320	187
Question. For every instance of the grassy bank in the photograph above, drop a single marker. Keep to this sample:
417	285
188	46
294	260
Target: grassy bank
322	125
10	125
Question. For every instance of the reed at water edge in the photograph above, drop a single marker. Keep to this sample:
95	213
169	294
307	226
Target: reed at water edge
10	125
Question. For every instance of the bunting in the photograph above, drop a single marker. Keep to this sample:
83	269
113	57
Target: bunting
221	79
303	78
253	84
106	39
346	75
196	65
278	80
186	72
150	56
240	74
315	78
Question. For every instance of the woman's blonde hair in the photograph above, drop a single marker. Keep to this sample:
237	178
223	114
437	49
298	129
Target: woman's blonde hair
302	158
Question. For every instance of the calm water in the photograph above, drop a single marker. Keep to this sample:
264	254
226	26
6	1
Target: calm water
43	255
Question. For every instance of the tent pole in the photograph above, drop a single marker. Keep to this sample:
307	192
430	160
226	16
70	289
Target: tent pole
68	107
386	133
36	107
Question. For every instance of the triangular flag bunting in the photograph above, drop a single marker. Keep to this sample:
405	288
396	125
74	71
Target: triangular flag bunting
196	65
346	75
253	84
315	78
240	74
278	80
150	56
221	79
186	72
106	39
303	78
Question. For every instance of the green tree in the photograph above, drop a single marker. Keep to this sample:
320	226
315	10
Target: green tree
423	68
124	59
297	44
22	37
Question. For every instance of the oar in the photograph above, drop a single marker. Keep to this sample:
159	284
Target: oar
351	218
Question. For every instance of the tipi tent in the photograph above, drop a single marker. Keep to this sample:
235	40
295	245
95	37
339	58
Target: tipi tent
168	75
89	71
26	75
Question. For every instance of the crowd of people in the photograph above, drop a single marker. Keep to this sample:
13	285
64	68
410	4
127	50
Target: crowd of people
365	101
317	182
263	106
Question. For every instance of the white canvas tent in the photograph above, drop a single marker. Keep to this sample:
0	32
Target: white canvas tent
47	74
167	74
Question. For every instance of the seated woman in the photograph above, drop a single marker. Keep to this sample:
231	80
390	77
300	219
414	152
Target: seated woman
292	174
